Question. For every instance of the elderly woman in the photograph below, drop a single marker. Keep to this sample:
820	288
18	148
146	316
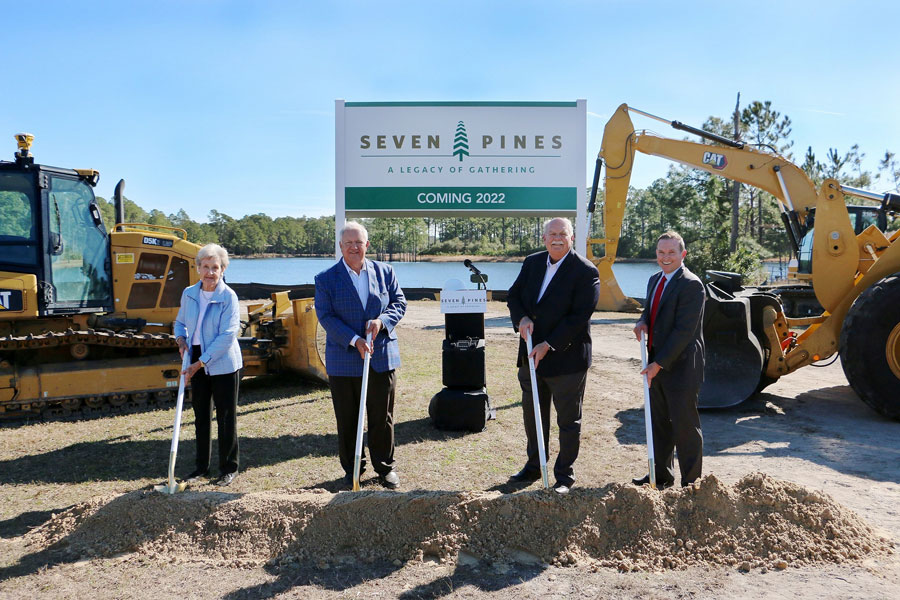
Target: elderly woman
207	326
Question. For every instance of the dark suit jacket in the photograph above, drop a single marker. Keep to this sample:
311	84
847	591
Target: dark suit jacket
563	316
678	328
342	316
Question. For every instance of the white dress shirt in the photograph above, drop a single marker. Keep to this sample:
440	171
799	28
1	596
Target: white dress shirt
552	268
361	283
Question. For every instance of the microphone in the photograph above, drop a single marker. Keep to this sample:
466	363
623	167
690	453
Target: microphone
471	267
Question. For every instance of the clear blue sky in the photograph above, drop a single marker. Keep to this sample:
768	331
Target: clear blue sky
229	105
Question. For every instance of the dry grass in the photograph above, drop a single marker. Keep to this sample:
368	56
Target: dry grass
287	436
286	427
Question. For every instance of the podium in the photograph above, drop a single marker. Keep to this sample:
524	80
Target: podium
463	403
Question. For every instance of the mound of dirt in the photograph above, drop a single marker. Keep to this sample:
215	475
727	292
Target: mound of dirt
760	522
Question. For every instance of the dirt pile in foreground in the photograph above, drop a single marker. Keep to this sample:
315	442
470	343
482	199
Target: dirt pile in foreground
760	522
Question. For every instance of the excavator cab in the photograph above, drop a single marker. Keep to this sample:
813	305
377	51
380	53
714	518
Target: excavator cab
861	218
54	249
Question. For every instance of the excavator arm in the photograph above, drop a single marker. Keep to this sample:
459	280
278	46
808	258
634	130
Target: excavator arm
749	340
794	191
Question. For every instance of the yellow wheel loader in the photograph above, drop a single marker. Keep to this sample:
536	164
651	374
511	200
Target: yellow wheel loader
86	316
853	264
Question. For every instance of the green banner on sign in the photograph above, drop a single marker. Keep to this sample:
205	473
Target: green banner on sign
552	199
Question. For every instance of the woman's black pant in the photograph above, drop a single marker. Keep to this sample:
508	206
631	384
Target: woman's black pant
223	390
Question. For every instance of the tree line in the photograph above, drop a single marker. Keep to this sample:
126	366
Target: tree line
726	225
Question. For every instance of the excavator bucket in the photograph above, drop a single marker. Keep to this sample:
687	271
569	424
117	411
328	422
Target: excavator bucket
611	296
734	357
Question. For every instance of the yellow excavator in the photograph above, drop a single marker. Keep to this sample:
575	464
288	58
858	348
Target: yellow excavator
86	315
851	260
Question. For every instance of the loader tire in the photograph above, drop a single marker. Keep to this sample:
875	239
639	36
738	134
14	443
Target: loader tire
870	346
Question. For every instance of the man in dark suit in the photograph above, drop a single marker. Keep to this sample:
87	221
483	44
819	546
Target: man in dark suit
355	297
672	322
552	299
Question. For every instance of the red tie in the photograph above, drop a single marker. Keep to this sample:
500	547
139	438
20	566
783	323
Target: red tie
654	307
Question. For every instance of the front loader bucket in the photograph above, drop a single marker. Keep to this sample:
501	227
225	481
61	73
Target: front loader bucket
734	358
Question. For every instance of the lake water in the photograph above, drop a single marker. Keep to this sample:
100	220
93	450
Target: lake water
632	277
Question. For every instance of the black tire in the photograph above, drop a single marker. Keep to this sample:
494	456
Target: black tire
871	333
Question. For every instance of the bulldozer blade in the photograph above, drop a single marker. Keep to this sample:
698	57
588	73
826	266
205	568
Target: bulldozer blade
734	357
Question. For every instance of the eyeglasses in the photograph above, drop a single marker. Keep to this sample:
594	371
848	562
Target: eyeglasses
353	244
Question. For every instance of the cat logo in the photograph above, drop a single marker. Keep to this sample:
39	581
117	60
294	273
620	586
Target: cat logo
716	161
11	300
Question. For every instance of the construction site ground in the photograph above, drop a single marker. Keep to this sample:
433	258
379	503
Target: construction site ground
801	497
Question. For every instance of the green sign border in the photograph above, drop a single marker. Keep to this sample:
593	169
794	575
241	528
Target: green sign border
520	104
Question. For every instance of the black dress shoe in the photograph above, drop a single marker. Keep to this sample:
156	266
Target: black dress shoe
226	479
195	475
525	476
390	480
645	480
347	479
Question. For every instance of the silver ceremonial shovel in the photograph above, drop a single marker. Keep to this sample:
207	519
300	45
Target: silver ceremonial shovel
357	454
173	487
648	422
537	414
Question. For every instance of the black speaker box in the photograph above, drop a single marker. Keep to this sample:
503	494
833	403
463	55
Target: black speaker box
461	410
462	364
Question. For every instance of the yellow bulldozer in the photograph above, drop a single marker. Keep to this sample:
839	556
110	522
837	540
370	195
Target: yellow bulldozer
851	259
86	315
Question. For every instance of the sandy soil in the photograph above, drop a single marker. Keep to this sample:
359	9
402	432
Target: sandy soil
802	500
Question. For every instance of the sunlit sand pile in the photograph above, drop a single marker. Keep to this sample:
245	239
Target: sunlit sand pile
759	523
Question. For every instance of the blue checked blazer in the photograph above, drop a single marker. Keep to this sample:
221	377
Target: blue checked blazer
342	315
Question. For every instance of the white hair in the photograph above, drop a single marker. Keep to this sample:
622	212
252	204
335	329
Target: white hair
213	251
570	231
353	225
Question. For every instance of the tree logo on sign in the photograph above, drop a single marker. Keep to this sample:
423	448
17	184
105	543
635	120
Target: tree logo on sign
461	141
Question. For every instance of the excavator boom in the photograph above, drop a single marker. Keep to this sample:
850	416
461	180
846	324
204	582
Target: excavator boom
750	341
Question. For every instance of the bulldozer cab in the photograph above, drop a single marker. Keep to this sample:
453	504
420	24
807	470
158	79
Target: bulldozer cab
52	239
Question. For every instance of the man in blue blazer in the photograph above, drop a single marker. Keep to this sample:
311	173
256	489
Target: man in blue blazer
672	322
553	299
354	297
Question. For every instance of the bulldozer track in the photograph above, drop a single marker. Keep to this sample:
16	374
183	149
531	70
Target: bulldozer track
103	337
92	407
84	407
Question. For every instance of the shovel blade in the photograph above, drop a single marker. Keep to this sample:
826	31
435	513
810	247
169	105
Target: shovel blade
165	488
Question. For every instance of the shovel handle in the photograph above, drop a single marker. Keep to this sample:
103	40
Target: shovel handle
176	427
357	454
538	423
648	421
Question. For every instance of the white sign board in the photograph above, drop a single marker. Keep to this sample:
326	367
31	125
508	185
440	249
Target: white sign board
463	301
460	159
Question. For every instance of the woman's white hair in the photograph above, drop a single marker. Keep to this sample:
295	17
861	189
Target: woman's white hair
213	251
